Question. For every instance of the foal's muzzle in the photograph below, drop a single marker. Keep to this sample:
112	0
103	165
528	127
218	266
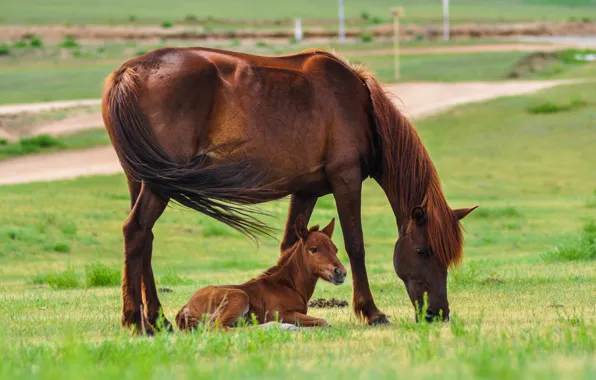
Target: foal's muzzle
339	276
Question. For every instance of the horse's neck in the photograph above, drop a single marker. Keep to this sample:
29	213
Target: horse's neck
303	281
401	213
294	274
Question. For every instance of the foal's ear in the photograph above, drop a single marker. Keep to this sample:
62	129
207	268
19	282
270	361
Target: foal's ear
300	226
463	212
329	229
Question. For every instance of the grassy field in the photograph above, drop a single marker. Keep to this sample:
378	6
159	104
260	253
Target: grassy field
82	80
521	307
45	143
60	74
85	11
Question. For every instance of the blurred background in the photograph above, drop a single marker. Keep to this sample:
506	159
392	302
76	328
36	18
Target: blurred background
62	50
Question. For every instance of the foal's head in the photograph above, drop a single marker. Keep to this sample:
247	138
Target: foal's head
319	252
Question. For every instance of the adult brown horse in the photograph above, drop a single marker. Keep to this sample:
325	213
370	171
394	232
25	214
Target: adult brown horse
215	130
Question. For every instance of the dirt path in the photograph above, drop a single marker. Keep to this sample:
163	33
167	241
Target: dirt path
489	48
198	33
49	106
416	100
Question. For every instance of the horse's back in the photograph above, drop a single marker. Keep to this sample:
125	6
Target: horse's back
297	113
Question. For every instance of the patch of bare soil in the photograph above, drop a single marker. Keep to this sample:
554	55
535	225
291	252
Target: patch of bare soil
104	32
14	126
493	280
532	63
327	304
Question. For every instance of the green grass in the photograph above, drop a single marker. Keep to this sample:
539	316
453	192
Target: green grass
99	274
154	12
515	314
591	201
47	81
549	107
31	83
45	143
29	145
27	77
577	248
66	279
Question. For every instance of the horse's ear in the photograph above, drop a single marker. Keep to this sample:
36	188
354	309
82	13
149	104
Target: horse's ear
300	226
329	229
463	212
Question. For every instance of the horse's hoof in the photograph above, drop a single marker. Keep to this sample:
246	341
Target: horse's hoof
379	320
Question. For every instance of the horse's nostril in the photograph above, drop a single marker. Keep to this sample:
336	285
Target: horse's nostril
336	271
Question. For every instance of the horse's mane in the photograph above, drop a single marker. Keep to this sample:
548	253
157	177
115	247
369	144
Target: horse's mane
410	174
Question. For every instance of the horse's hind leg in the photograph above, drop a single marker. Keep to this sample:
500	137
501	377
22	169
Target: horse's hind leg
234	306
347	190
149	292
153	309
299	204
137	276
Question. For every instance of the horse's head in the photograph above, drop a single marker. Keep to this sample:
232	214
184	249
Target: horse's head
319	252
428	244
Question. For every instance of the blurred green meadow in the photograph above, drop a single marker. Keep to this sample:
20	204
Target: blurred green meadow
55	72
155	12
523	301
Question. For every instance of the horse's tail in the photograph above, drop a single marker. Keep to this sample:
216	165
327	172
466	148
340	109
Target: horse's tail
214	190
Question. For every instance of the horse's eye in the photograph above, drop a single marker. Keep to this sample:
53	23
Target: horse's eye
313	250
422	252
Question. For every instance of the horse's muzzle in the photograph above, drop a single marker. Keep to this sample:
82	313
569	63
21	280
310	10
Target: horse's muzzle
434	317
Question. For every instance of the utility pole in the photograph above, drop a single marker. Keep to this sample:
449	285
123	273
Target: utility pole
298	30
396	12
342	31
446	19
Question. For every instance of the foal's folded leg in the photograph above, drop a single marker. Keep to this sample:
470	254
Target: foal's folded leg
233	307
222	307
300	319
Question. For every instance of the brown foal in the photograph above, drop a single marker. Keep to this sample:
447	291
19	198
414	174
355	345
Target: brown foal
281	293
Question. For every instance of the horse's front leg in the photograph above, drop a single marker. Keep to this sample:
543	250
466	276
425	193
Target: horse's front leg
347	189
300	204
138	241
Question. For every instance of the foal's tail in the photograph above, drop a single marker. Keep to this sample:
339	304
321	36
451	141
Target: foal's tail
214	190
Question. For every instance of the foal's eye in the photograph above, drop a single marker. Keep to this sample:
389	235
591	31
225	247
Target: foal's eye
313	250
